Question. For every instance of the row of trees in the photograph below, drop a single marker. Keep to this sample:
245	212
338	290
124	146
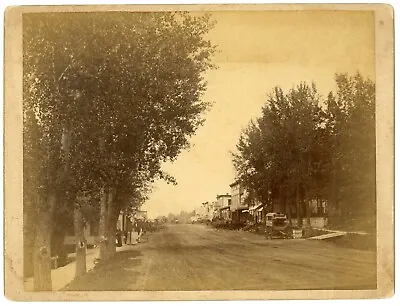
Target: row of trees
108	97
182	217
305	147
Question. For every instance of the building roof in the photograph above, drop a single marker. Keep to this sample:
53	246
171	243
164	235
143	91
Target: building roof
236	182
223	195
240	208
256	207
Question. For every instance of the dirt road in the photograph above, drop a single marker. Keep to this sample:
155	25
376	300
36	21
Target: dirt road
196	257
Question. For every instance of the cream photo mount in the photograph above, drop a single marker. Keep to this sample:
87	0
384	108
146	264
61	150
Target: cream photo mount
13	207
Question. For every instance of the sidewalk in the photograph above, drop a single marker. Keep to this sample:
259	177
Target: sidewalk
62	276
335	233
327	236
346	232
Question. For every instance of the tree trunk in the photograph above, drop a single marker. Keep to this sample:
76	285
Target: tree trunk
321	212
287	200
57	245
80	242
112	218
308	212
334	189
42	249
111	247
307	230
103	224
285	206
263	213
282	207
307	209
107	225
299	216
272	205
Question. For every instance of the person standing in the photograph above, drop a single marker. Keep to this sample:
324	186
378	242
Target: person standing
139	229
119	238
128	231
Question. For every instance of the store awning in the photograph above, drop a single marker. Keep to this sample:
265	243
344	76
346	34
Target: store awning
261	209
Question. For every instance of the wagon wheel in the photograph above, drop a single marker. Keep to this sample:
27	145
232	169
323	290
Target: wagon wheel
268	233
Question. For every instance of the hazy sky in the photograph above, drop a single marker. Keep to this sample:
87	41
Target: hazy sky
260	50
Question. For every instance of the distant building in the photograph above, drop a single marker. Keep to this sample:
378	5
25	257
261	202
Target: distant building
141	215
205	211
238	208
214	210
224	202
257	212
318	217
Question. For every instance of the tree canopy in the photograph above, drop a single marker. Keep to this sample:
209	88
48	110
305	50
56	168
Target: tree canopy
108	97
323	147
127	86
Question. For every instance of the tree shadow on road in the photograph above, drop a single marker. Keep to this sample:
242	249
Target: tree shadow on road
115	274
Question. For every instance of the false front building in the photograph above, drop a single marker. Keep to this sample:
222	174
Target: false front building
223	206
238	208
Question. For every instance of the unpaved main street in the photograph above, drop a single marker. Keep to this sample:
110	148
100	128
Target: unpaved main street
196	257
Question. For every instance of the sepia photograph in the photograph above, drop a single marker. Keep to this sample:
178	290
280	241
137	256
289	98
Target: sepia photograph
199	152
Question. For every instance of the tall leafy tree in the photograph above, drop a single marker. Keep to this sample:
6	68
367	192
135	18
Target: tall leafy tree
304	147
280	151
114	95
352	126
